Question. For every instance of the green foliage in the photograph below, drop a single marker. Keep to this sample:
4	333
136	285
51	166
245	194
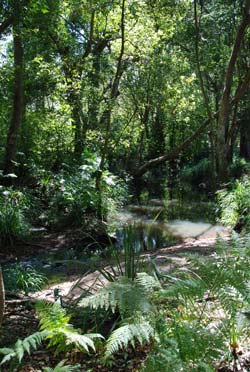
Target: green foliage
127	334
207	322
16	353
235	204
13	222
60	333
131	298
72	192
123	294
126	295
55	327
182	344
197	173
239	167
127	262
62	367
20	278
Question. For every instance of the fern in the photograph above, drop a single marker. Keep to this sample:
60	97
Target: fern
22	346
148	282
141	331
61	367
124	295
55	321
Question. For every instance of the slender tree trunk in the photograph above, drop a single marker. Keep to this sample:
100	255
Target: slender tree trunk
204	94
107	115
78	124
18	109
2	297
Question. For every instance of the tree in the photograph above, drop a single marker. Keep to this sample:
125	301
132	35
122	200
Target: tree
18	94
224	113
2	297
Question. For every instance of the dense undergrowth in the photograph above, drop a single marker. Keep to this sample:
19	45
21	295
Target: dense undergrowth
234	203
57	200
193	319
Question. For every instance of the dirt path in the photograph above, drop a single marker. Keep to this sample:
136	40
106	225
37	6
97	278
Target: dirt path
165	258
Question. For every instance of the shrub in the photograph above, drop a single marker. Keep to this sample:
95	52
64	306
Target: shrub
73	193
20	278
13	222
197	173
234	205
239	167
55	327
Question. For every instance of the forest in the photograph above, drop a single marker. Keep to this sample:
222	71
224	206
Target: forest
125	185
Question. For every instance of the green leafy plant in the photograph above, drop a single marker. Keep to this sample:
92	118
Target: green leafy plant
72	193
127	262
20	278
141	331
13	223
60	333
55	327
16	353
131	298
62	367
210	297
234	205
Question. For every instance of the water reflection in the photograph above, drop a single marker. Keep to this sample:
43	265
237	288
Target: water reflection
159	224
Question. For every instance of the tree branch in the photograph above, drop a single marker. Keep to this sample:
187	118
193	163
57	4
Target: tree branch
240	91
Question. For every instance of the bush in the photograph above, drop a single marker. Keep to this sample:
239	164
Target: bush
13	223
73	193
19	278
234	205
239	167
197	173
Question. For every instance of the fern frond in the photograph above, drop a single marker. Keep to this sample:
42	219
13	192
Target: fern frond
22	346
61	367
55	321
81	341
128	334
52	316
148	282
125	295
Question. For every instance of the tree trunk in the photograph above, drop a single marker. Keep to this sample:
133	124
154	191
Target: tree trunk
205	94
78	124
224	112
18	109
2	297
245	138
107	114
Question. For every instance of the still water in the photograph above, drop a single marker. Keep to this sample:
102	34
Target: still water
160	224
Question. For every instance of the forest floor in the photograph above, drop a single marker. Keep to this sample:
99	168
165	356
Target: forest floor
20	320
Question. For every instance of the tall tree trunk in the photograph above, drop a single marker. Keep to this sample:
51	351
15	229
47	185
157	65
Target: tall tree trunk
224	112
107	115
78	123
18	109
2	297
205	94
